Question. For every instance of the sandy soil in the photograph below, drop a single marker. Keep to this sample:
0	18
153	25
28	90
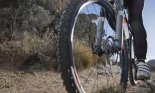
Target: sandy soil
33	82
49	82
143	87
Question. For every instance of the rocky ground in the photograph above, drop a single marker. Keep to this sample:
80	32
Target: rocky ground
23	27
36	82
43	81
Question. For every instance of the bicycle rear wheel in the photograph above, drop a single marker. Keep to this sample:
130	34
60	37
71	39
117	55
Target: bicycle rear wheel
81	70
132	72
128	65
132	64
124	68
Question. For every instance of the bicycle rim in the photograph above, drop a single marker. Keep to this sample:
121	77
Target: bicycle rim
82	71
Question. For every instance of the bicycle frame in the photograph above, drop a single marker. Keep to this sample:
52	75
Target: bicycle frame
122	28
121	25
124	39
122	34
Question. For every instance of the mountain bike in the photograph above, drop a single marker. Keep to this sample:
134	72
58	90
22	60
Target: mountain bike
95	46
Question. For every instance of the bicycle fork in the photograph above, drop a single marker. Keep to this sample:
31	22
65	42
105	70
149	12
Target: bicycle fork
122	33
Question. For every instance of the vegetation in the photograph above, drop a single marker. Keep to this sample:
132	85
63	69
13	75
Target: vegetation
110	89
27	30
83	55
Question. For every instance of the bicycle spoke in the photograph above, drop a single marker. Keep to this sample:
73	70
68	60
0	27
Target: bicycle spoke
88	76
87	69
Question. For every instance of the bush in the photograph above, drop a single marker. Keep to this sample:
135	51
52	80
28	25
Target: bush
83	55
28	31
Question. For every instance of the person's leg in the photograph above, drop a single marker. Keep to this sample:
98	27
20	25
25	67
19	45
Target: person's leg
139	34
138	30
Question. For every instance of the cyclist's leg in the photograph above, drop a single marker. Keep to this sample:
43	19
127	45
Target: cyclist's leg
139	34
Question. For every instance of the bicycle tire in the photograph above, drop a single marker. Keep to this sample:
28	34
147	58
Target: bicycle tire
132	72
65	58
129	69
124	66
132	64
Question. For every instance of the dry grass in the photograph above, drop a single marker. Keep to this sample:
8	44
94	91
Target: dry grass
23	46
36	44
83	55
110	89
11	55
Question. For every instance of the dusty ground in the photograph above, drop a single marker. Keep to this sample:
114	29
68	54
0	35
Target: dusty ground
143	87
47	82
37	82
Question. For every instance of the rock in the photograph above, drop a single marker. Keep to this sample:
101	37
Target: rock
151	64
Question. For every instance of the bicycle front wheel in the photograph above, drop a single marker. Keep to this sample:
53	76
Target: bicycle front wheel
81	70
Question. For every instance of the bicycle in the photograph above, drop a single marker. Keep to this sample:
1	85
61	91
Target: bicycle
89	31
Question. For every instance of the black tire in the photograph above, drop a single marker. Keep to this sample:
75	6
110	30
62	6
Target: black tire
65	52
132	72
124	69
132	64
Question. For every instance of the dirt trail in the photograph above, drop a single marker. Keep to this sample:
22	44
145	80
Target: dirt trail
47	82
36	82
143	87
